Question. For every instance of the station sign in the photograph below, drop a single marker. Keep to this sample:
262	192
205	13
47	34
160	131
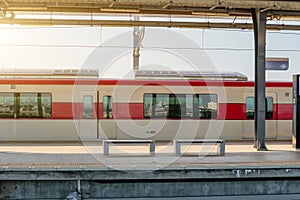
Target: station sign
277	63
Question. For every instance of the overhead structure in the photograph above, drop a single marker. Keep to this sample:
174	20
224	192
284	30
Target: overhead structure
84	12
175	7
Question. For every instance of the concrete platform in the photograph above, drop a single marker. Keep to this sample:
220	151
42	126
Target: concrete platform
89	155
55	170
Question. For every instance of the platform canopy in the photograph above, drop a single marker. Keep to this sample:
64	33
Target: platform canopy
184	7
66	12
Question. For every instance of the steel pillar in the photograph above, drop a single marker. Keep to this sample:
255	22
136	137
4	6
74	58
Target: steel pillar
136	48
138	36
259	24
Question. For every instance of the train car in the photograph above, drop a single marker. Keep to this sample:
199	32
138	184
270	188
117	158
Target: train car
74	105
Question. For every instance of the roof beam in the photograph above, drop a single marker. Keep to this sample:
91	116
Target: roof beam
129	23
160	7
279	9
282	5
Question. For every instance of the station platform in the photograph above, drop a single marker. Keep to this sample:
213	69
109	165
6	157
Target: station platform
54	170
89	155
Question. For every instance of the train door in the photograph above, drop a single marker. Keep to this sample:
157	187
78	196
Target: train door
271	122
107	128
86	112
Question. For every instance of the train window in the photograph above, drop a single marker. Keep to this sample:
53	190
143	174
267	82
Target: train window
176	105
29	105
107	107
269	108
25	105
46	101
33	105
161	105
170	106
156	105
189	105
181	106
250	107
208	106
148	105
7	105
88	106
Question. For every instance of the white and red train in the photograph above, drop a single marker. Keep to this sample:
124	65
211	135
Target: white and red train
61	107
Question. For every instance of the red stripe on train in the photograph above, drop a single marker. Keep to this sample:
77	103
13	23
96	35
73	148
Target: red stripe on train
283	111
139	82
230	111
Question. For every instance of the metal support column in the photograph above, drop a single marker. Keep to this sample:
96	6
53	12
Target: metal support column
136	48
259	23
138	36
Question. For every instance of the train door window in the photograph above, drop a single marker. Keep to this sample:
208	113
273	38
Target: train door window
87	106
250	107
107	107
208	106
7	105
269	108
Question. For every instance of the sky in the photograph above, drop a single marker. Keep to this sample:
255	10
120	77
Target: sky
110	50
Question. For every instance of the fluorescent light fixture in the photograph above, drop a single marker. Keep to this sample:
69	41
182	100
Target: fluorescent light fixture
209	13
27	8
119	10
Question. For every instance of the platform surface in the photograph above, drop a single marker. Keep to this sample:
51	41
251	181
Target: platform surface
89	155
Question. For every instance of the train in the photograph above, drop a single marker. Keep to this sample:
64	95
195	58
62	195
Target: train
77	105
